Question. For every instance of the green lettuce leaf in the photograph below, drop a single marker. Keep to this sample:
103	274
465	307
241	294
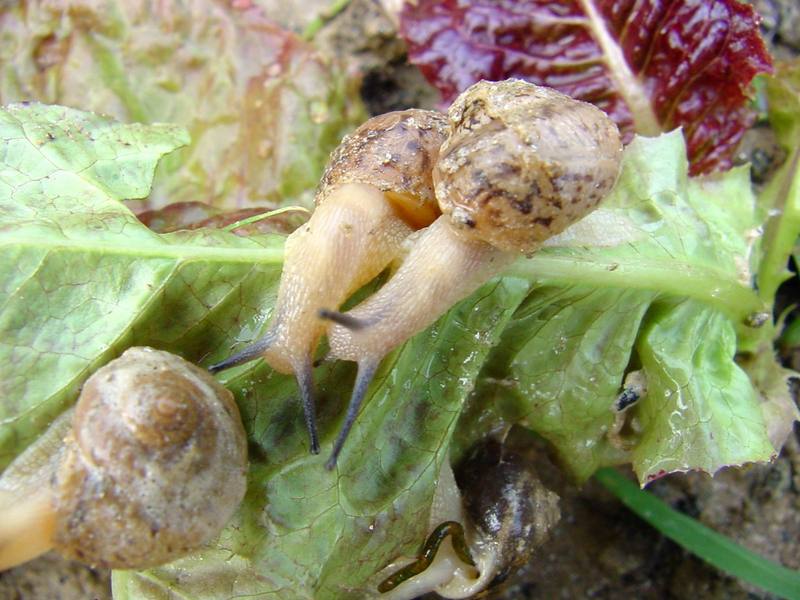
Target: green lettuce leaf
263	108
779	206
82	278
661	289
656	283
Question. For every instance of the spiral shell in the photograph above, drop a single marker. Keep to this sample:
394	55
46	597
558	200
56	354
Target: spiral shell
496	512
507	504
394	152
155	464
523	162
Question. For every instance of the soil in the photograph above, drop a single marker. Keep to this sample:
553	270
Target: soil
599	549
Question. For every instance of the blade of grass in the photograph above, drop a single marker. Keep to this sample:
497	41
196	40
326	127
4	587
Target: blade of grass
266	215
319	22
701	541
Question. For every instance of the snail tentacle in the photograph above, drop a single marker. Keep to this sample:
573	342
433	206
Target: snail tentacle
429	549
366	371
345	320
245	355
306	384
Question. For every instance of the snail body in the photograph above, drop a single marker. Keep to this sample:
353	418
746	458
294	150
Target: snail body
497	513
153	465
376	190
521	163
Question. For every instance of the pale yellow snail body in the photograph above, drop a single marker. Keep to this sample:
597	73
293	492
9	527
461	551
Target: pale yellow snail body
375	191
521	163
149	465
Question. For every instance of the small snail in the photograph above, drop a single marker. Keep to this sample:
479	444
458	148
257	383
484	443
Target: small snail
520	165
376	189
497	513
149	465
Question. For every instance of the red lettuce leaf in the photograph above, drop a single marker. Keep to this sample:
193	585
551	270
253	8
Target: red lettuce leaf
653	65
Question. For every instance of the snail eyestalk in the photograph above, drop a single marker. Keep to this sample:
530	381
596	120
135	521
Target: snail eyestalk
343	319
456	532
246	355
366	371
306	384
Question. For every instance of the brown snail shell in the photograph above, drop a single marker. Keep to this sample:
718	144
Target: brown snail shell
506	503
394	152
155	464
523	162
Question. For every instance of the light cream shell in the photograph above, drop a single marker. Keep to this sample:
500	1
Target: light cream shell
523	162
155	465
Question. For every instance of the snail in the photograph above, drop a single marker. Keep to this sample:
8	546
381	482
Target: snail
149	465
521	163
496	512
375	191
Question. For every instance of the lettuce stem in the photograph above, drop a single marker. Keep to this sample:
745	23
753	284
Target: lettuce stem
735	300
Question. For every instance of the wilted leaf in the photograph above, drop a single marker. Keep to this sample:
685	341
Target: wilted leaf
262	107
652	66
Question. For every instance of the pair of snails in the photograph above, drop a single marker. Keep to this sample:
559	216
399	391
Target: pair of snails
511	165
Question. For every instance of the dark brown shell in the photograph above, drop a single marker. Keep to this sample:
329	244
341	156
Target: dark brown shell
155	465
394	152
507	503
523	162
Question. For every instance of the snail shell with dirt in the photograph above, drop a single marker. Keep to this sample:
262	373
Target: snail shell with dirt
520	164
496	512
376	190
149	465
